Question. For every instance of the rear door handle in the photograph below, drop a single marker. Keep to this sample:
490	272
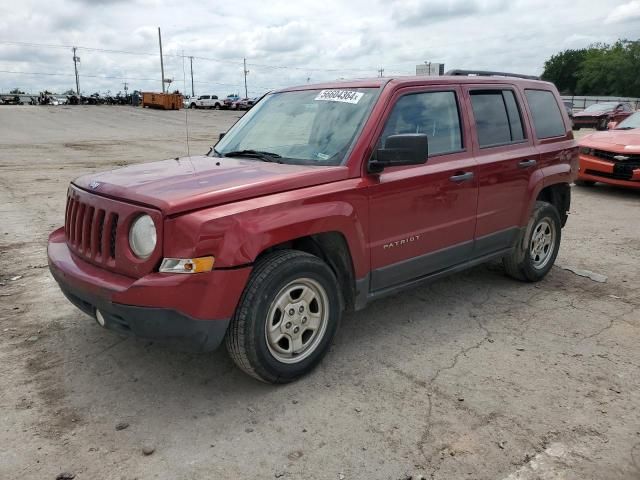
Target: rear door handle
527	163
462	177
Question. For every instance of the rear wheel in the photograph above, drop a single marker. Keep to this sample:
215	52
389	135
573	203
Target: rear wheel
287	316
538	245
217	106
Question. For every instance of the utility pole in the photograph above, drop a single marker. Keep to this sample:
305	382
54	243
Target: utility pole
381	71
126	87
192	92
161	61
246	93
76	60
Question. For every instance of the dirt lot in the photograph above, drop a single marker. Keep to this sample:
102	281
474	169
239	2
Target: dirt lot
475	376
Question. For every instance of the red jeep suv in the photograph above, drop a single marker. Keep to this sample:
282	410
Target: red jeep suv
321	199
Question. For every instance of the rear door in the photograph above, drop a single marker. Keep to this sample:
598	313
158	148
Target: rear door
423	217
507	159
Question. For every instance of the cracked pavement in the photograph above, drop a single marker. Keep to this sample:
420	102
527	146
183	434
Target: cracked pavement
474	376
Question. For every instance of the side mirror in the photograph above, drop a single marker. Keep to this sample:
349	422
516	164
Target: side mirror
401	149
221	135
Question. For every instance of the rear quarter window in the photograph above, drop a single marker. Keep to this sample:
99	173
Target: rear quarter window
545	113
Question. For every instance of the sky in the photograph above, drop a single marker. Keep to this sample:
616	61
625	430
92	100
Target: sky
287	42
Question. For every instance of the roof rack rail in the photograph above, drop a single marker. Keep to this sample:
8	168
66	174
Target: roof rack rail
484	73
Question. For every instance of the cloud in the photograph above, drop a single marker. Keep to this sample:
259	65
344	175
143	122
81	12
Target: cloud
624	13
423	12
286	43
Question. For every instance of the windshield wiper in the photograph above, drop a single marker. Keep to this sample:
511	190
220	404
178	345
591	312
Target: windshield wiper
264	156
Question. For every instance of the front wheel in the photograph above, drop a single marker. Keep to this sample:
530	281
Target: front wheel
537	248
193	105
287	316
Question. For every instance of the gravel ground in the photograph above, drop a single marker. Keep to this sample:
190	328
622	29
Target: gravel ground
475	376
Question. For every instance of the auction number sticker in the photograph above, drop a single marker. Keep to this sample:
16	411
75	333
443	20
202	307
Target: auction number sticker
346	96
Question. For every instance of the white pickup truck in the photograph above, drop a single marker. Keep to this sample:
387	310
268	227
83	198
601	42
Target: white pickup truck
206	101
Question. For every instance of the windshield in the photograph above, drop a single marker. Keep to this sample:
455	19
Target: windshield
600	107
311	126
630	122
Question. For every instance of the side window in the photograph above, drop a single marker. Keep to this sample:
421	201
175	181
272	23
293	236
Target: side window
433	113
547	118
498	119
205	97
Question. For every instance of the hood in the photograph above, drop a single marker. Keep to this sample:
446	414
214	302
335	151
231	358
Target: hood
190	183
619	141
592	114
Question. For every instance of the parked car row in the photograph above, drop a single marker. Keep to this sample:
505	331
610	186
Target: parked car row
231	102
47	98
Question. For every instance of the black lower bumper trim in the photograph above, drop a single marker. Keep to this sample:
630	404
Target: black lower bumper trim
155	324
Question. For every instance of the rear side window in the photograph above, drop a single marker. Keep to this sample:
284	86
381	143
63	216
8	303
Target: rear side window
545	111
497	116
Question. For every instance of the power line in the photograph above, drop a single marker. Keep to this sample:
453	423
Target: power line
175	55
112	77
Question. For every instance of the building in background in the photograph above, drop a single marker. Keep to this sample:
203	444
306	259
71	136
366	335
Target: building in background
431	69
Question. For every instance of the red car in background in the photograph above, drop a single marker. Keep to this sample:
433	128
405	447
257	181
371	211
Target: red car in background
612	157
599	115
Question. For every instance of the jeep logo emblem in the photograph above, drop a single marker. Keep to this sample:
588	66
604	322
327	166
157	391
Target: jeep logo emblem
94	184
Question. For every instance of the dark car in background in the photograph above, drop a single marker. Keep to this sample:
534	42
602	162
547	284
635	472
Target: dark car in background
599	115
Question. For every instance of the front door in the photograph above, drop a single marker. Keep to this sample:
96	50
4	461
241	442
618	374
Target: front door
422	218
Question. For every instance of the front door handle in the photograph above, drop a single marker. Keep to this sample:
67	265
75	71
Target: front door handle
527	163
462	177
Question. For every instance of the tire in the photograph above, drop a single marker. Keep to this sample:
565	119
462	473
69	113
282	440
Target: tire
274	297
217	106
532	266
193	105
585	183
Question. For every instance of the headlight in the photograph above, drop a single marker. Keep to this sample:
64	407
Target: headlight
586	150
142	236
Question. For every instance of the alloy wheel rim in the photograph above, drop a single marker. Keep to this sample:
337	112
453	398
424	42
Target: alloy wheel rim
297	320
542	243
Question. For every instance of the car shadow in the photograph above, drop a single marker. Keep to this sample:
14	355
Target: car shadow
608	190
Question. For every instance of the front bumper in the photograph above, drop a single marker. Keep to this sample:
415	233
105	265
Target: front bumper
595	170
191	311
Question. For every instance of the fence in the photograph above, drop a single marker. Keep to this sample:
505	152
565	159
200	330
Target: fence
580	102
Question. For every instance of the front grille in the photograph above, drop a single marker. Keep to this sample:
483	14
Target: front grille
84	228
96	229
632	159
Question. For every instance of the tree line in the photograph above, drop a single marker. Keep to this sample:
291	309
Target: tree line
600	69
